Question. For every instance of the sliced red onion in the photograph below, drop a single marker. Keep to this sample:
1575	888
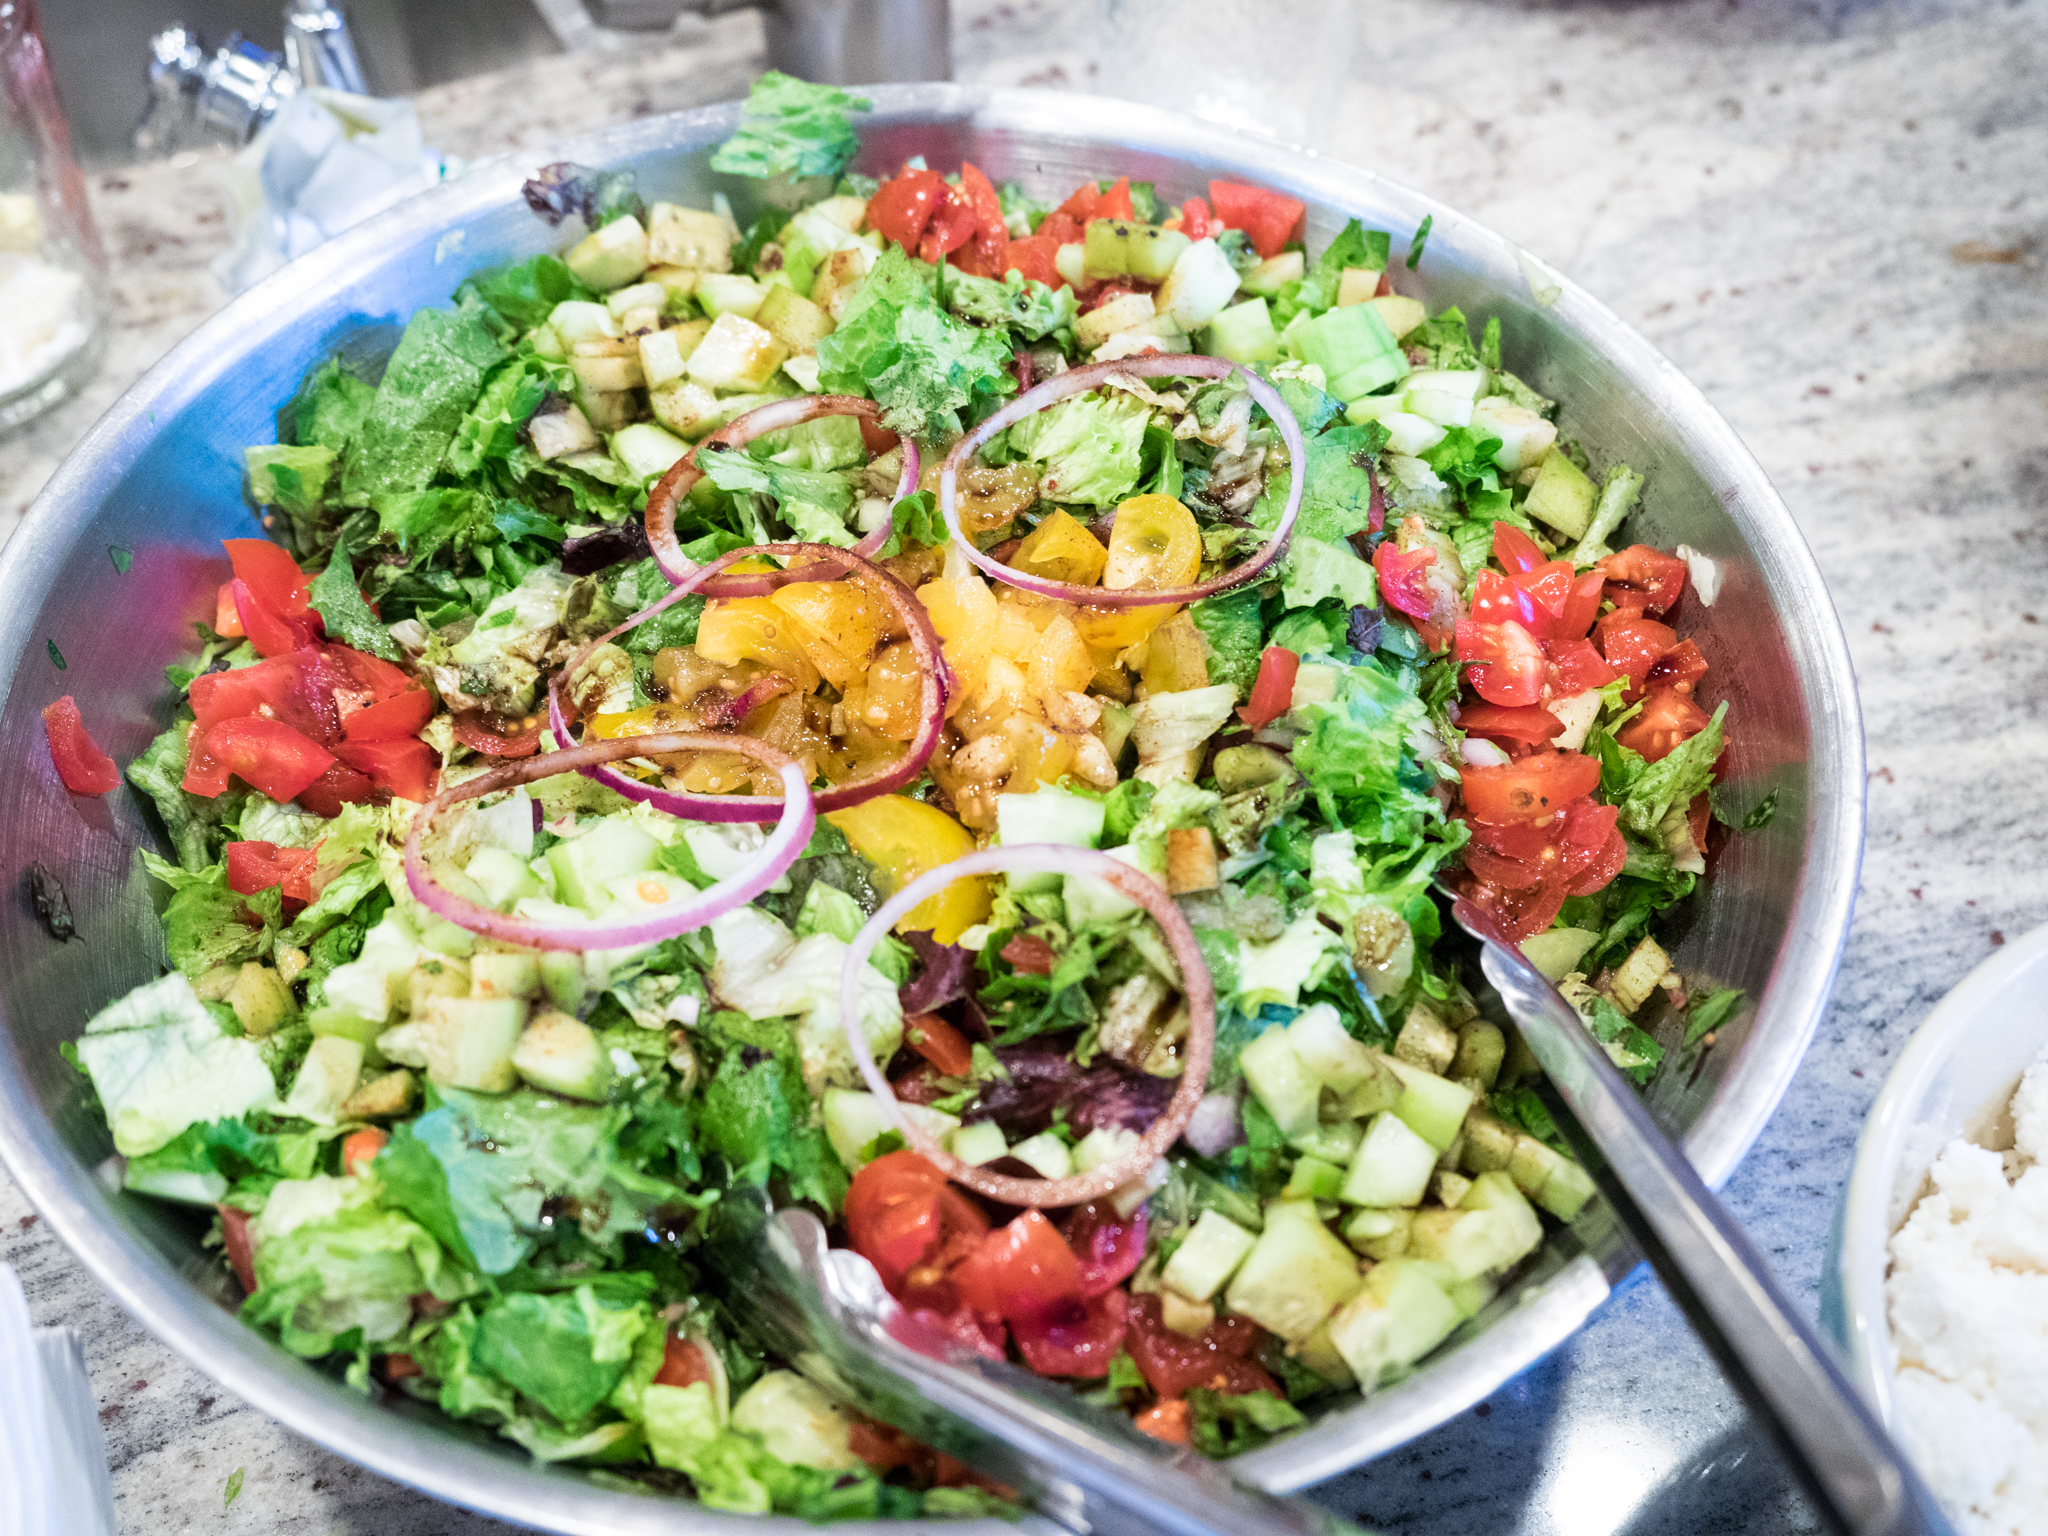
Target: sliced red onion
924	640
777	416
1079	381
1133	885
792	833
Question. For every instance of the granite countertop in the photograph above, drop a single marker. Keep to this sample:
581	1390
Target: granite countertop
1830	215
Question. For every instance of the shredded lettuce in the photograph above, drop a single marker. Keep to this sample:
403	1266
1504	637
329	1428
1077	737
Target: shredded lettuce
428	387
790	127
1088	447
1318	570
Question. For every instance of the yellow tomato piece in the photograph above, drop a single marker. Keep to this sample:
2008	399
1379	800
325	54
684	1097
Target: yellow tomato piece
1153	545
1060	661
1062	549
1016	636
644	721
1118	629
1042	754
1176	658
754	629
889	701
963	615
841	625
903	838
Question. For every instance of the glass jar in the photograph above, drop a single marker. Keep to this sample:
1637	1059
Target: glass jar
53	273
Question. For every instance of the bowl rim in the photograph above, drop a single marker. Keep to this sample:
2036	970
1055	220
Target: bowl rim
1860	1257
293	1392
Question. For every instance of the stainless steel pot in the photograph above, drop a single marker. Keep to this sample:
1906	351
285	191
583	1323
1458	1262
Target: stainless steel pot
160	475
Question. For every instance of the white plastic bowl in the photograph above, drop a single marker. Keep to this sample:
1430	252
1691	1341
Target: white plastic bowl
1956	1078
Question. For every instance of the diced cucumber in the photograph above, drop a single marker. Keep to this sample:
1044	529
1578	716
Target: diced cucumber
1496	1192
723	293
1466	384
1567	1189
1525	437
1047	816
1118	248
1426	1041
578	320
1481	1050
1320	1355
1392	1166
1046	1155
1284	1083
797	1423
1296	1274
1332	1142
586	864
646	451
1103	1144
1380	1234
504	973
563	978
1122	313
372	983
976	1144
502	876
1070	261
1200	286
390	1093
688	237
610	257
736	355
853	1121
642	295
1380	1091
1347	344
1471	1295
1401	1315
326	1078
1562	497
1476	1242
345	1022
560	1054
1274	273
1431	1106
261	999
1489	1143
1207	1257
1531	1165
468	1041
1433	405
793	320
1314	1179
1377	373
1090	900
1183	1314
1327	1049
1244	333
185	1186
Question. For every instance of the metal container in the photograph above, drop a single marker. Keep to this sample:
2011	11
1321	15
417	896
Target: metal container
160	475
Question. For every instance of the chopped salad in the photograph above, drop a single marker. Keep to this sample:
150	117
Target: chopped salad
952	709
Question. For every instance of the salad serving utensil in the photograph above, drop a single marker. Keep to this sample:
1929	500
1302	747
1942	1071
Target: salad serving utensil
1854	1472
1087	1470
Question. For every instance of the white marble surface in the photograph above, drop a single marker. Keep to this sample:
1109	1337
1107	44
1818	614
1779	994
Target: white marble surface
1831	215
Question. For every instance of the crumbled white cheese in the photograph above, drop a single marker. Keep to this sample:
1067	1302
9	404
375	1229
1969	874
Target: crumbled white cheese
1968	1297
1705	572
45	316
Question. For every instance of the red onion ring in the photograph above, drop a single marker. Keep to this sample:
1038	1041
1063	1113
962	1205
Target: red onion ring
1134	885
792	833
777	416
1078	381
937	688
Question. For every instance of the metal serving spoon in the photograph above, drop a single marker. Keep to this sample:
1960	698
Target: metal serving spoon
1856	1475
825	1310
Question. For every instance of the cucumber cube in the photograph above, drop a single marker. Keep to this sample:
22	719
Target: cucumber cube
721	293
642	295
736	354
1200	286
1520	1230
1525	437
1320	1355
1296	1275
1046	1155
687	237
645	451
1401	313
1400	1316
1047	816
1466	384
1392	1167
1314	1179
854	1120
1206	1259
1093	901
1330	1142
1070	261
610	257
563	979
468	1041
1274	273
1357	284
1561	497
326	1078
506	973
1469	1296
1115	248
345	1022
586	864
502	876
1380	1234
1558	952
979	1143
1123	313
793	320
1343	341
560	1054
1283	1081
1435	405
1244	333
1431	1106
1104	1144
580	320
1567	1189
1327	1049
1531	1164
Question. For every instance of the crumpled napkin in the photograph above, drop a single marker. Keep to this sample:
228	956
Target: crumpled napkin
53	1458
327	160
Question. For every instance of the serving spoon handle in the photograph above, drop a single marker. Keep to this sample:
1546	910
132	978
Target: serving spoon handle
1853	1470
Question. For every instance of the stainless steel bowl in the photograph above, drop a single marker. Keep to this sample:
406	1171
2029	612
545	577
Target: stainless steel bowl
160	475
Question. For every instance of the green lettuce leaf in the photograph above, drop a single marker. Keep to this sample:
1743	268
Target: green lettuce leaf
341	608
1464	461
328	410
1318	570
429	385
1229	1426
791	127
1336	496
756	1115
1316	290
526	293
1357	760
1088	447
565	1351
1230	624
914	519
490	428
195	823
1688	770
1021	304
813	504
921	365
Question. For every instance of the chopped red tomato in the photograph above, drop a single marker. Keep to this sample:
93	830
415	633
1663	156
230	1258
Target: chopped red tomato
1668	719
403	714
1081	206
1109	1246
1642	577
1060	227
495	736
892	1213
1632	644
952	226
1515	550
1167	1420
1116	202
1034	259
1023	1272
1273	689
272	576
1268	217
1173	1364
939	1043
398	1367
1510	666
1029	953
272	633
1681	668
407	768
928	1284
1078	1343
682	1363
340	785
883	1447
1406	585
240	1246
1575	666
265	754
1196	221
226	621
1528	787
903	206
83	767
983	255
256	866
360	1148
1530	723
